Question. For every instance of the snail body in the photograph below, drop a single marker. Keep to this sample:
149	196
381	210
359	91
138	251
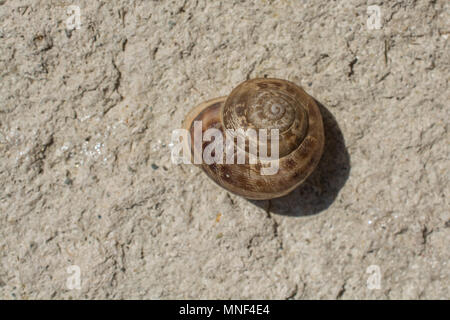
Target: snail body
271	104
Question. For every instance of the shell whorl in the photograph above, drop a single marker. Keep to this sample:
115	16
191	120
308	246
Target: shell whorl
268	104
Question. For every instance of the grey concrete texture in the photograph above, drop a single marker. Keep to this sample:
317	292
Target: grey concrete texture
86	118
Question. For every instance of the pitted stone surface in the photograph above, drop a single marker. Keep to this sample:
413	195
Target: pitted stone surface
86	118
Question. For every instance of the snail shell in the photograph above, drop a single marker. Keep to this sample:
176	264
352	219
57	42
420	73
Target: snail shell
264	104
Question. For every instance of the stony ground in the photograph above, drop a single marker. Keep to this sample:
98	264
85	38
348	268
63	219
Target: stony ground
86	117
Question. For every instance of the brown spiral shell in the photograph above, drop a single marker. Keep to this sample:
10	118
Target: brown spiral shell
264	104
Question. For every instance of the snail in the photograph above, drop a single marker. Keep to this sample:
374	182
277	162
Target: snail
276	105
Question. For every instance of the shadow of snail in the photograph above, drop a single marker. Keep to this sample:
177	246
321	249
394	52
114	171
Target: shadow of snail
321	188
313	161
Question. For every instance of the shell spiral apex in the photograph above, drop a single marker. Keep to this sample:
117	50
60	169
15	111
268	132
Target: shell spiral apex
294	124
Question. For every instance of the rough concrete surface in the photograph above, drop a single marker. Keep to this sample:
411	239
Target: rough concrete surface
86	117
